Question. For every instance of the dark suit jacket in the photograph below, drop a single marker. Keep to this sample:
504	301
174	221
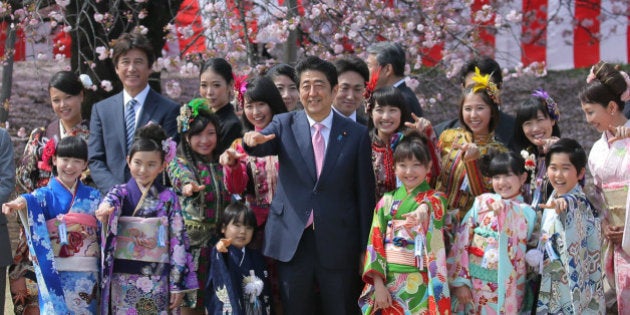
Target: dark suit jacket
7	184
361	119
413	105
342	199
504	132
107	145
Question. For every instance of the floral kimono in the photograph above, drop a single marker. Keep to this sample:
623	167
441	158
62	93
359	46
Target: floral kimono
462	181
63	243
30	175
145	254
488	255
610	166
238	283
201	213
571	270
256	177
411	259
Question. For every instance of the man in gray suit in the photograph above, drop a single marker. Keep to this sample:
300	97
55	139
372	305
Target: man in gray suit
115	119
7	183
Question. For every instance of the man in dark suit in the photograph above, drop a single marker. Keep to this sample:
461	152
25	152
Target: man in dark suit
390	59
115	119
352	75
505	129
322	210
7	184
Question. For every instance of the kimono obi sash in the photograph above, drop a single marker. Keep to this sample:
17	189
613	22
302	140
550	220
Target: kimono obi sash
78	249
616	202
400	245
142	239
484	255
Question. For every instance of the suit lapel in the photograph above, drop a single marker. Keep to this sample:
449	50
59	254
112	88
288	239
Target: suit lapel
336	140
118	123
302	132
148	109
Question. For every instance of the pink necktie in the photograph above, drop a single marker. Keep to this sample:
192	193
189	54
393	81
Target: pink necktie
319	147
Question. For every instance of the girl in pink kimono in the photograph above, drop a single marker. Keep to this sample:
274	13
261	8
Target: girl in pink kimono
603	99
487	262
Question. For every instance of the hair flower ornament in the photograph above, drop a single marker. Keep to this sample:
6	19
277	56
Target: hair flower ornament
170	149
47	154
552	106
484	82
369	90
240	86
188	113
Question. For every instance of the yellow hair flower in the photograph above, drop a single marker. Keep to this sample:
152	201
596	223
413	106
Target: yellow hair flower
482	81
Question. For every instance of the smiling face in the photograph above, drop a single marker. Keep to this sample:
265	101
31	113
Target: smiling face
239	233
386	119
350	94
204	142
288	90
411	173
538	128
145	166
597	116
133	70
508	185
66	106
215	89
476	114
69	169
316	94
258	113
562	174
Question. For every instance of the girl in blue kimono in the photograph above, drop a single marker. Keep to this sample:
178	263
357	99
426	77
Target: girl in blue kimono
63	231
238	281
147	265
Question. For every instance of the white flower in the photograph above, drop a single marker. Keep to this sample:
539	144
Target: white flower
106	85
98	17
63	3
102	52
85	79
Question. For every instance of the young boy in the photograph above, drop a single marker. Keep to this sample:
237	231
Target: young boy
570	238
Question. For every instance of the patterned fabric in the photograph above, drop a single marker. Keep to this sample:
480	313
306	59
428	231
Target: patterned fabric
383	164
488	255
29	177
66	266
130	121
201	213
139	286
417	285
609	164
462	181
256	178
229	275
572	274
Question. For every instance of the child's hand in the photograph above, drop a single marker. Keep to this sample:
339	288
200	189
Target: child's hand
545	144
176	300
382	298
419	123
560	204
230	157
463	295
103	211
495	205
418	216
191	188
223	244
17	204
619	132
471	151
254	138
613	233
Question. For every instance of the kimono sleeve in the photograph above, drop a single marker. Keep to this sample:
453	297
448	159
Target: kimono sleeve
179	173
182	276
458	261
375	259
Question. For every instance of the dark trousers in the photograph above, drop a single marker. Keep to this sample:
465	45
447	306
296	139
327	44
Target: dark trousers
3	286
306	287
